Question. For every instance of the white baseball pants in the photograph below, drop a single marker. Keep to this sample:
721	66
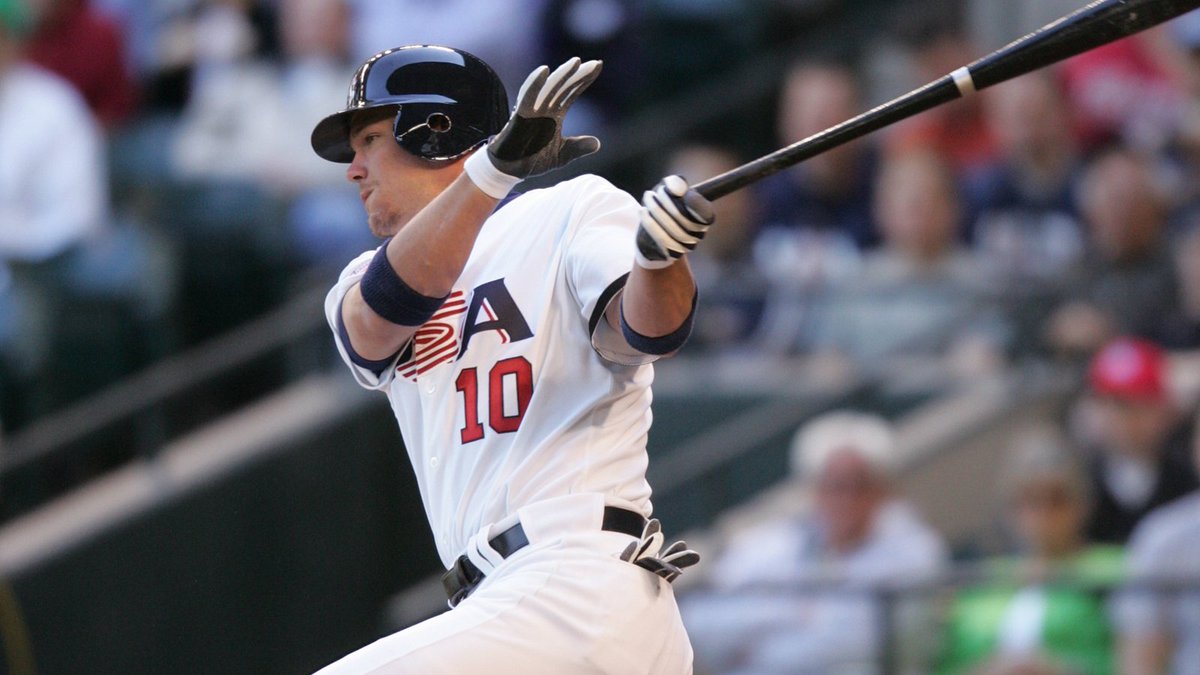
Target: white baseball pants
563	604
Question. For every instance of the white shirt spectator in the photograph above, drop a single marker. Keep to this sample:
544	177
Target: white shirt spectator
53	181
1165	548
771	629
252	122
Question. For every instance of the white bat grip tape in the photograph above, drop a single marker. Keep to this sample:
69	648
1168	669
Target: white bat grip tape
964	81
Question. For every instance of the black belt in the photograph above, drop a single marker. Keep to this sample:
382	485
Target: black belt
464	576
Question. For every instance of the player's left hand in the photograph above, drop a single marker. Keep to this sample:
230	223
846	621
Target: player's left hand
647	553
674	218
531	143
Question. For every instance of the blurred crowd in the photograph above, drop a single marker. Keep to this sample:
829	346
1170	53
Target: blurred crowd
1039	219
157	189
1095	567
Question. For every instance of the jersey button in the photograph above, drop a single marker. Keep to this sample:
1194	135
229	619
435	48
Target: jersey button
430	387
433	462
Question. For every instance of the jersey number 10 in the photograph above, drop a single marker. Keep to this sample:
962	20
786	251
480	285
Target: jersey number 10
509	388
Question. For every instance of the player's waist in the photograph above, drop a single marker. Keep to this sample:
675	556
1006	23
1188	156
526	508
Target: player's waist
542	522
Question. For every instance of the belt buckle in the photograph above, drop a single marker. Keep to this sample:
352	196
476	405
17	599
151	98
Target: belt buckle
460	580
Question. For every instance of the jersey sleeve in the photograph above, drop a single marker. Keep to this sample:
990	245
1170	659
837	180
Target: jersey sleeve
598	259
366	378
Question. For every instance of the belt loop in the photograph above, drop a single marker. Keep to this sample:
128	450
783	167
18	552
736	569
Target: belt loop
480	552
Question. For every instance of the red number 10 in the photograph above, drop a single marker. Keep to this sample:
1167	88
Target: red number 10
516	368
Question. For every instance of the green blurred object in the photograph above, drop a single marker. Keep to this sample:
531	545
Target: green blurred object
15	16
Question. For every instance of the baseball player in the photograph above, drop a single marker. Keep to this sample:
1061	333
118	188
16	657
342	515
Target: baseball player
513	335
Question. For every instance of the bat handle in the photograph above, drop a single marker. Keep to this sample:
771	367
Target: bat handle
698	206
722	184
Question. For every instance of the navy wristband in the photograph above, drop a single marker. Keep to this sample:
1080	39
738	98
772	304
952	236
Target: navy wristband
659	346
388	296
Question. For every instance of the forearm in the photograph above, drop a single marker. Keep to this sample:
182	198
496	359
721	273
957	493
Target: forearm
655	302
429	253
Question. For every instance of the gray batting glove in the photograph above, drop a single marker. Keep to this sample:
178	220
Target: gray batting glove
531	143
648	553
674	218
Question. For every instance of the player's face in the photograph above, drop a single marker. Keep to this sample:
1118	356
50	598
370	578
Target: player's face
393	184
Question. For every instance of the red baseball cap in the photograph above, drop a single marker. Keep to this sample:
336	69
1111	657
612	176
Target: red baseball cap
1129	368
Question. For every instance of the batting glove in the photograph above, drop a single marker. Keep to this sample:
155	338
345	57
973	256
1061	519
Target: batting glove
648	553
531	143
674	218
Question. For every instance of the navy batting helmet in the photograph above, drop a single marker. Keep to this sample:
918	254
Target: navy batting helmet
447	102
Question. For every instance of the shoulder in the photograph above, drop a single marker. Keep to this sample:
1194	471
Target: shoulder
580	192
359	264
34	83
589	189
588	183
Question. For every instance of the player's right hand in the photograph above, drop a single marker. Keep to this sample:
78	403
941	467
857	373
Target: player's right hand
531	143
674	218
647	552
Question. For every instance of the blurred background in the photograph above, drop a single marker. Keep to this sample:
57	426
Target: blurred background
937	414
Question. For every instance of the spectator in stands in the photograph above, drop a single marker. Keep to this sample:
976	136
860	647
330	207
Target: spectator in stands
732	286
815	216
1031	611
917	295
1181	330
1129	91
933	32
795	595
1126	285
48	139
1022	207
223	138
86	48
1182	154
57	235
1159	628
188	40
1137	438
22	344
830	194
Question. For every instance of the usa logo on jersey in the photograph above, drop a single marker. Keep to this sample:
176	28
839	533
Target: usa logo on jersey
438	340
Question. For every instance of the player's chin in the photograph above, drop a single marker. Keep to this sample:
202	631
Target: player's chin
383	225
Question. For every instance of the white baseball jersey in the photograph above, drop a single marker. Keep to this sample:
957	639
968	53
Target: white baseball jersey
517	390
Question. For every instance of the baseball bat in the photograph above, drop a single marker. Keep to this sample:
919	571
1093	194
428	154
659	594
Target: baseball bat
1097	24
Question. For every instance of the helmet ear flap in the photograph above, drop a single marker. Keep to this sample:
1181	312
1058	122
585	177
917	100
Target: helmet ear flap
429	131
